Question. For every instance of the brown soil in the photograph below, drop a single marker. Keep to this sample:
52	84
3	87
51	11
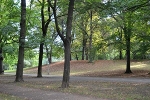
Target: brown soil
100	68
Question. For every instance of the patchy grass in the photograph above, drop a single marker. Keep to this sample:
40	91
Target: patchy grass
105	90
8	97
101	68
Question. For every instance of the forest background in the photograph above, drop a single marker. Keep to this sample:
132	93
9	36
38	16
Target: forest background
104	29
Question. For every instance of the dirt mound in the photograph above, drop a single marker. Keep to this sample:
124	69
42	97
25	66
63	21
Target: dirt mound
100	68
119	73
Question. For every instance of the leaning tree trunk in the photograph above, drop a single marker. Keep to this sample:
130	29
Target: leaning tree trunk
20	64
67	41
1	62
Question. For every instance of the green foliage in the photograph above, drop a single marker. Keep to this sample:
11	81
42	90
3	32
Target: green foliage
109	18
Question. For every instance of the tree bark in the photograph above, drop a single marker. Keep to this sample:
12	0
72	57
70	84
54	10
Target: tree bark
1	62
128	70
84	36
127	32
84	46
120	48
50	56
49	53
120	54
86	53
66	74
44	32
39	74
20	64
90	42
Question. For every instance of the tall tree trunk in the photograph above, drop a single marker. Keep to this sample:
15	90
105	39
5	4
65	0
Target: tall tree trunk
66	74
120	48
66	40
1	62
84	37
84	46
128	70
83	50
1	45
127	32
90	42
39	74
77	58
120	54
44	32
20	64
86	53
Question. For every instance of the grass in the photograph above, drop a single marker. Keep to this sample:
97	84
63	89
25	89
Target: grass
105	90
8	97
10	71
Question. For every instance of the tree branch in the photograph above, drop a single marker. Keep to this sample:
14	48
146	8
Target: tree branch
138	6
56	22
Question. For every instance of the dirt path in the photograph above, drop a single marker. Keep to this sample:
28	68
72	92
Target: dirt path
37	94
112	79
31	77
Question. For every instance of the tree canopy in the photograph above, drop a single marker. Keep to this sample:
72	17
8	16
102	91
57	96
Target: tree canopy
74	30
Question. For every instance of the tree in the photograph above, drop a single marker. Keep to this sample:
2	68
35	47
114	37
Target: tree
81	39
44	32
128	27
87	20
128	32
7	28
1	56
1	62
90	38
49	44
66	74
20	64
123	12
66	40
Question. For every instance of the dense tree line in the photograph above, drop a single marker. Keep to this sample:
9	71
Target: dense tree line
82	30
